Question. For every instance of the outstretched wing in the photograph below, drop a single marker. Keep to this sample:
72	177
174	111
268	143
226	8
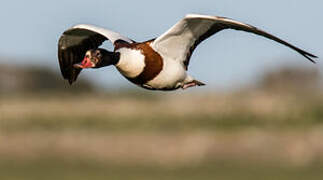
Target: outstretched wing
74	43
180	41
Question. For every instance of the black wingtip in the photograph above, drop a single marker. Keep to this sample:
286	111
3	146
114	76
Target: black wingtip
71	80
309	57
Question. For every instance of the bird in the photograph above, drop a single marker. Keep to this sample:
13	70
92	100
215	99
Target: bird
156	64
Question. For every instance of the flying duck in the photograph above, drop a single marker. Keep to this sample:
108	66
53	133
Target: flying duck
157	64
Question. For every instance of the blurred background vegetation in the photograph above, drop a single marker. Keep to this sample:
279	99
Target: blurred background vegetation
271	129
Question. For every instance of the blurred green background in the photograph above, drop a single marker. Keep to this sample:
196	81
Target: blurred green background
272	129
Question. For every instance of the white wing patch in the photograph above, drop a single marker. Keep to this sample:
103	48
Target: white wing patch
177	41
112	36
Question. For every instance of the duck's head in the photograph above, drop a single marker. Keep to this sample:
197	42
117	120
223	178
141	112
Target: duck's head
96	58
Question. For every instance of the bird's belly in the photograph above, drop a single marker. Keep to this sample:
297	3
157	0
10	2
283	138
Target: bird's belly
133	66
171	76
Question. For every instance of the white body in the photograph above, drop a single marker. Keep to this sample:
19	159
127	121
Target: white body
131	62
173	74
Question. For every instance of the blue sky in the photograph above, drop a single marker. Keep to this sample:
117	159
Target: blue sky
30	30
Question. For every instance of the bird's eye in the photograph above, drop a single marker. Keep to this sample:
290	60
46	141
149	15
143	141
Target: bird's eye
87	56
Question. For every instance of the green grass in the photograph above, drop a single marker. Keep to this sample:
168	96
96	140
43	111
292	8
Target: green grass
51	114
54	169
197	122
31	123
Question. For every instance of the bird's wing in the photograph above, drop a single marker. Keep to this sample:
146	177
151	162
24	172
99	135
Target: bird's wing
180	41
74	43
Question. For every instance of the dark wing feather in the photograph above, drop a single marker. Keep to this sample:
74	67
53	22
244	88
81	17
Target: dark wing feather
226	23
72	47
74	43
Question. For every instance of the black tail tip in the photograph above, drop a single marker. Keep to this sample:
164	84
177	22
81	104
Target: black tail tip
199	83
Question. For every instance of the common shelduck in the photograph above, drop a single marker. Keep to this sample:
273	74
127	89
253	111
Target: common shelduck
157	64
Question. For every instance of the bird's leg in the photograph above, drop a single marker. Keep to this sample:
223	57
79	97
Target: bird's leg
188	85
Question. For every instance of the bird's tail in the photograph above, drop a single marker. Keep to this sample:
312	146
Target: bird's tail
199	83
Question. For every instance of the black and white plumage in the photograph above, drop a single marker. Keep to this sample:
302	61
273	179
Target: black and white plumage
158	64
76	41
